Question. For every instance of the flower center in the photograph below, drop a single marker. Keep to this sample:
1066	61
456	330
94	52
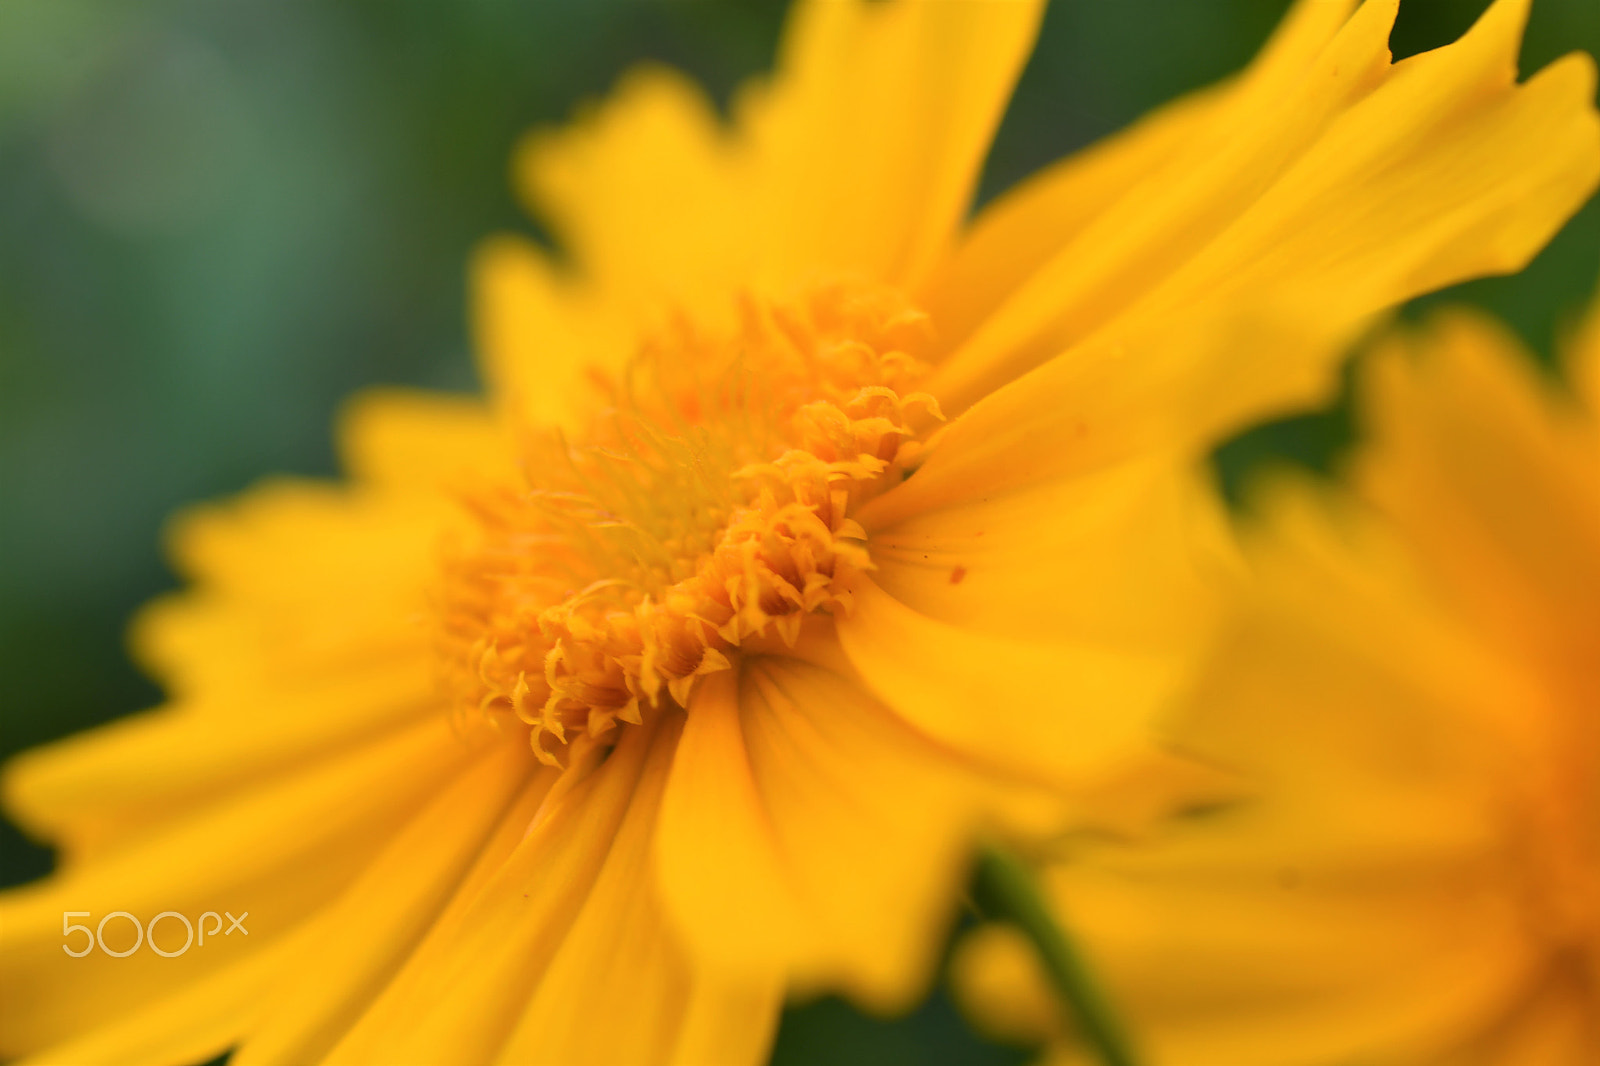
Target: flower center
706	504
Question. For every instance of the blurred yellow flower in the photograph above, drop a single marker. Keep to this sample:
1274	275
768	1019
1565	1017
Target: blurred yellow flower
581	726
1414	688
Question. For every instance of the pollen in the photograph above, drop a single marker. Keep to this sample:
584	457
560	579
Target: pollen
706	504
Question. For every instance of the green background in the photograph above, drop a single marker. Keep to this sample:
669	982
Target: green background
220	217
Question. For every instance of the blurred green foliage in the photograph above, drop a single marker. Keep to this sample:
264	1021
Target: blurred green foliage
220	217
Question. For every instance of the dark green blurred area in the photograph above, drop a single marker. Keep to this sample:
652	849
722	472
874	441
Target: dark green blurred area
220	217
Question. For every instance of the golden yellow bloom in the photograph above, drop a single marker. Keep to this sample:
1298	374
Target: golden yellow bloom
580	726
1414	688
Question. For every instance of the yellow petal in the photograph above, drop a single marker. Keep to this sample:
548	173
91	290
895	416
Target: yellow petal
870	139
263	671
460	994
872	820
1494	480
268	563
1397	180
712	819
1407	886
361	938
413	441
539	335
1137	553
728	1020
648	197
111	786
1059	708
644	192
1040	601
279	850
1157	395
830	833
1128	249
619	950
1363	906
1024	228
194	1024
879	113
1405	193
859	157
1239	959
1018	233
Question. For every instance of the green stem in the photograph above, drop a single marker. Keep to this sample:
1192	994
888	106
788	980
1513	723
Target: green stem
1006	891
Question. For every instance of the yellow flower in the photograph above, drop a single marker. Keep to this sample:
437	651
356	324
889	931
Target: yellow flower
1413	687
581	726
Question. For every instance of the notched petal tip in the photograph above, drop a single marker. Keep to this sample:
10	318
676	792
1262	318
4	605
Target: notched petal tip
652	108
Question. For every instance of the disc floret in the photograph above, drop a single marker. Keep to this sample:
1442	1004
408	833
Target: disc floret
707	504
